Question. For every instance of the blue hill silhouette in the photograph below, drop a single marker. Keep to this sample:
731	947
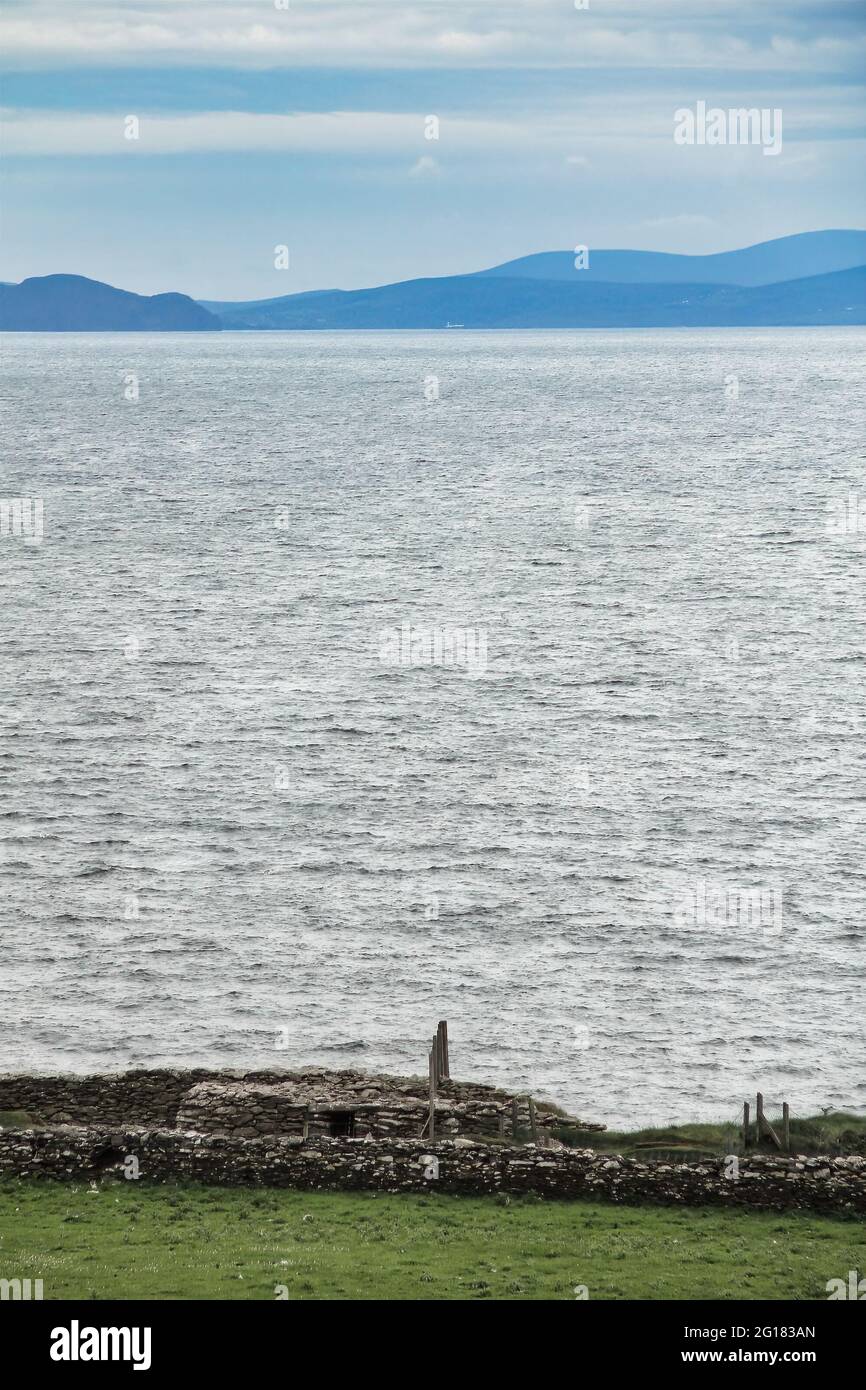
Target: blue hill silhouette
620	289
475	301
786	258
72	303
804	255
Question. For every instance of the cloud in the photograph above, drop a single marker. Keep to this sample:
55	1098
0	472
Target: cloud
425	168
54	133
636	125
440	33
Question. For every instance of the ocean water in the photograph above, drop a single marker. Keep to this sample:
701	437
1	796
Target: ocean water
620	846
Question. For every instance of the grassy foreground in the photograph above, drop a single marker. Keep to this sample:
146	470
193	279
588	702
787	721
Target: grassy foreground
189	1242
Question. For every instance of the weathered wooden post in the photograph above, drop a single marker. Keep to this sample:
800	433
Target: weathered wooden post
745	1124
532	1121
515	1120
786	1126
432	1091
441	1051
443	1042
763	1124
759	1118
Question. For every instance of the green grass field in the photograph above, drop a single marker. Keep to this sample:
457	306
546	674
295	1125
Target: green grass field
187	1242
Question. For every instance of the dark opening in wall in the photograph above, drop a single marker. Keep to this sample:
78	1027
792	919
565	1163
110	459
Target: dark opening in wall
341	1124
109	1157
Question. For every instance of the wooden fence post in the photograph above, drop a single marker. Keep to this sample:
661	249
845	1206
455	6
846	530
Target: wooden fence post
759	1118
745	1124
432	1092
443	1035
532	1122
763	1123
786	1126
515	1126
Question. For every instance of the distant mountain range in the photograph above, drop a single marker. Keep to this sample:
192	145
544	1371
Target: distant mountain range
477	301
787	258
72	303
815	278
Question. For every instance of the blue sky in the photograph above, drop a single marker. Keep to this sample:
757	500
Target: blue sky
305	126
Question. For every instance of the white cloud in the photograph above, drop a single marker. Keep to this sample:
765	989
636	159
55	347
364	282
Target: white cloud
602	129
53	133
425	168
390	33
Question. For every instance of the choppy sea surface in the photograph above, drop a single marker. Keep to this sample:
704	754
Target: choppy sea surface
623	855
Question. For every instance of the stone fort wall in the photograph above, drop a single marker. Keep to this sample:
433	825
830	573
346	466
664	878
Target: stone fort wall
250	1103
836	1185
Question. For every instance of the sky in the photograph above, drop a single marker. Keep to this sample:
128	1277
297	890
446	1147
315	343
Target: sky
305	124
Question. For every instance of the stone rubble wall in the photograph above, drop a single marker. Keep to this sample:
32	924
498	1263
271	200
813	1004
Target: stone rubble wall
167	1097
833	1185
120	1098
244	1109
248	1110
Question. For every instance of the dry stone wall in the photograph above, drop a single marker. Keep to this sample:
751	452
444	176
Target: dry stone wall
118	1098
248	1109
251	1102
835	1185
